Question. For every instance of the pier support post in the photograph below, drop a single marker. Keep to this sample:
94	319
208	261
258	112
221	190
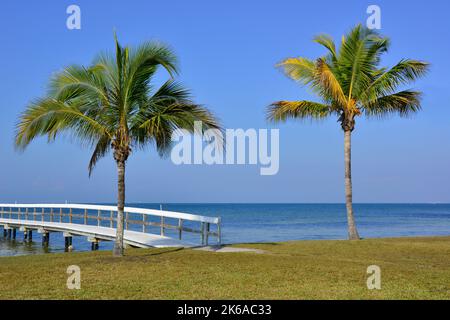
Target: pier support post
45	239
94	246
94	243
208	228
219	232
203	226
68	243
180	228
25	234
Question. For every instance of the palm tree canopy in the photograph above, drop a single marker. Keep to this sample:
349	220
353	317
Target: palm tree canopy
111	105
350	81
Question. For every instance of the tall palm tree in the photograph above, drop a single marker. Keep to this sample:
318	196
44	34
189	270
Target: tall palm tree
111	106
350	83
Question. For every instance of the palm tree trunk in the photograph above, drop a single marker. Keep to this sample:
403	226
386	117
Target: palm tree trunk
352	232
118	245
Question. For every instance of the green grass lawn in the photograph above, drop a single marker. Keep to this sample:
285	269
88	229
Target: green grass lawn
412	268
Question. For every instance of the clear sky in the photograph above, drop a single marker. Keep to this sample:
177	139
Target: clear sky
227	51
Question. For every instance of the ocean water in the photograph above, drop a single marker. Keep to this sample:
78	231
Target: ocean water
249	223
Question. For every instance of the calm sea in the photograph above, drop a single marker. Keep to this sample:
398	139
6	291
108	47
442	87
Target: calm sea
281	222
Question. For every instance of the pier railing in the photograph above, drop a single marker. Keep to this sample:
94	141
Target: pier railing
135	219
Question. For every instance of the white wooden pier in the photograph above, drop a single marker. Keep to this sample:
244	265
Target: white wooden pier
97	223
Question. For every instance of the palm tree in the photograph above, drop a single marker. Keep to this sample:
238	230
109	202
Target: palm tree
111	106
350	83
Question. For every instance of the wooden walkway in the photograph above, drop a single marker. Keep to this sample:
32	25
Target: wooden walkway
132	238
98	223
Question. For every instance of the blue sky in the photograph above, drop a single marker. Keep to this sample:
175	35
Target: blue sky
227	51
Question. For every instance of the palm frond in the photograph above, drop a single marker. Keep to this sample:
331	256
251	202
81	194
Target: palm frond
353	61
376	47
170	93
76	80
326	41
144	61
298	69
326	82
50	117
282	110
403	103
102	147
387	81
163	121
168	110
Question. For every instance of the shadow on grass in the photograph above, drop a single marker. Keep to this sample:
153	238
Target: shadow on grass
258	243
171	250
137	255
